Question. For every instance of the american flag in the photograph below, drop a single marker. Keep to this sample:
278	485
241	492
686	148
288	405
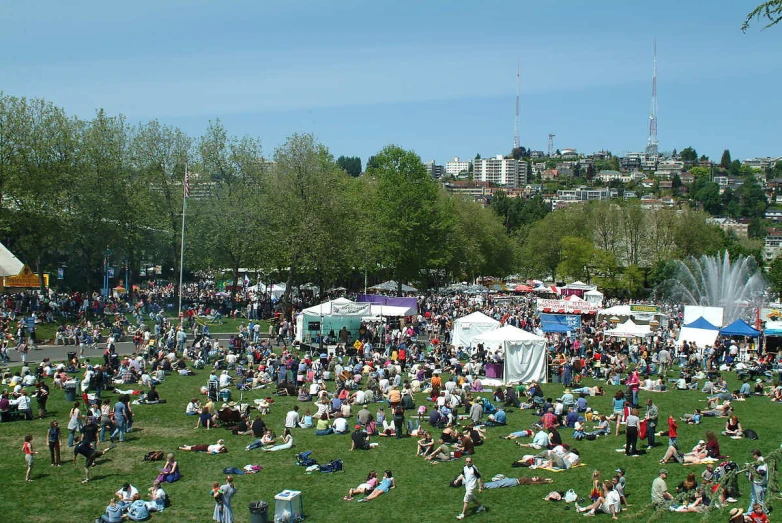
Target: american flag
187	184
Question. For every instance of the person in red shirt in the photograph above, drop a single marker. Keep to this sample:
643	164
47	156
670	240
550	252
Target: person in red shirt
673	427
757	515
27	448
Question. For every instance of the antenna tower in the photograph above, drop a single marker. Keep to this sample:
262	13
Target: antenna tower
516	141
652	145
551	145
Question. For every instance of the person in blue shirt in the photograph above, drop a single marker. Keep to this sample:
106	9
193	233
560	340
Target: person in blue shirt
498	418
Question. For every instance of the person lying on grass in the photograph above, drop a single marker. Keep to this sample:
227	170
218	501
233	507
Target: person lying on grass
387	483
217	448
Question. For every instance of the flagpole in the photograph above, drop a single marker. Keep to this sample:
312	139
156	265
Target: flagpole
182	246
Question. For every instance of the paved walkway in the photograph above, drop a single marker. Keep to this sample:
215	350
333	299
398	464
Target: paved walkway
60	352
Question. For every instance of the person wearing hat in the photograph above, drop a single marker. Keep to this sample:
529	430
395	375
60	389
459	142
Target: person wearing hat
660	494
736	515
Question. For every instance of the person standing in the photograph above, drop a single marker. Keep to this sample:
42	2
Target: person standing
673	433
652	413
660	494
228	490
74	422
631	428
53	437
27	448
42	395
471	478
120	419
758	478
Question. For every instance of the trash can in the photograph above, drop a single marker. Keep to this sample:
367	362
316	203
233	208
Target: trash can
259	512
70	394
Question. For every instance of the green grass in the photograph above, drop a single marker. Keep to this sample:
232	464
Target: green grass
422	492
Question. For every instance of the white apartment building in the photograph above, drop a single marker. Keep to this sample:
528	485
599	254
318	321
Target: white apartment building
499	170
457	167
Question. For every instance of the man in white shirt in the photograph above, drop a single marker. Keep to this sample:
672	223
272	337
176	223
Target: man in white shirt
292	418
340	426
127	493
470	478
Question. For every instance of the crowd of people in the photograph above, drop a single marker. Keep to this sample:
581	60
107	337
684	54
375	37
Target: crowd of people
375	384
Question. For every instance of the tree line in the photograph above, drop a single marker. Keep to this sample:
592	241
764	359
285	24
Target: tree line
86	195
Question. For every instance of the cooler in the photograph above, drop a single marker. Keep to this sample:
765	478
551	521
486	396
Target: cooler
288	506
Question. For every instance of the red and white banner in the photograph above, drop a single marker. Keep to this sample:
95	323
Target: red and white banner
567	307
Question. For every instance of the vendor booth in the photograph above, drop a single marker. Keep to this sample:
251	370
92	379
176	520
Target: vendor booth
468	327
524	353
335	314
700	332
629	329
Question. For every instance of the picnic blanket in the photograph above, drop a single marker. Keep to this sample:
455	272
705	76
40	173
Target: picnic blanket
553	469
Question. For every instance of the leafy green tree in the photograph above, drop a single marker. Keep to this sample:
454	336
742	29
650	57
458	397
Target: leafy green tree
753	199
700	171
725	160
38	146
307	216
694	236
225	231
351	164
407	210
689	155
775	275
632	280
770	10
577	254
707	194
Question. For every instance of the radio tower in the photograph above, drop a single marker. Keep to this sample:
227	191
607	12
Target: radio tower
551	145
652	146
516	141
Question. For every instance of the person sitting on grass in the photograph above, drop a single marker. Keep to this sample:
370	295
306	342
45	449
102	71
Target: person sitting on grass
365	488
113	513
441	453
694	457
287	442
359	440
387	483
608	503
733	428
425	444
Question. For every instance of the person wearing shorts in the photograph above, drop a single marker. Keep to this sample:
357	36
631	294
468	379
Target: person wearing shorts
86	449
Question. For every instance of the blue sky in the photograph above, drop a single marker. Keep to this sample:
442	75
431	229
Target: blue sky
437	77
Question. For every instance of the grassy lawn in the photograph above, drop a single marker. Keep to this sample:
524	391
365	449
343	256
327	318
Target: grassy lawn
422	492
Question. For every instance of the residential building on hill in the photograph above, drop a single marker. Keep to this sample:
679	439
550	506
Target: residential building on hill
457	167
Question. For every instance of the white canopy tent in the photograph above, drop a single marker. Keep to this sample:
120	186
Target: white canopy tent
701	337
629	329
9	264
524	353
468	327
594	297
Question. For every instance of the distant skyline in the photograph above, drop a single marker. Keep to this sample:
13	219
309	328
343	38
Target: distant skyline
437	77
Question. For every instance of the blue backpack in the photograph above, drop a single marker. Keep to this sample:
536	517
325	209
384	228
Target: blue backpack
304	459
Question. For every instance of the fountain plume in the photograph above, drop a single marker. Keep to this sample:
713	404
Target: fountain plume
715	281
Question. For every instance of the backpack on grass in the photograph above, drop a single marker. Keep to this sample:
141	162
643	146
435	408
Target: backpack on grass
303	459
155	455
335	465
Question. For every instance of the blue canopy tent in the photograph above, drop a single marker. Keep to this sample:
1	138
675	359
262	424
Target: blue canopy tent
740	328
702	323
